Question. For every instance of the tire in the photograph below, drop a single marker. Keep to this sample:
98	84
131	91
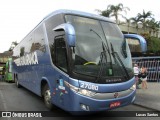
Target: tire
47	97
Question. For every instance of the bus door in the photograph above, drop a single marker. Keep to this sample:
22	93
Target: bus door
60	60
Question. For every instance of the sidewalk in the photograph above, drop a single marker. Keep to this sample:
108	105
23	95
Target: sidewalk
150	97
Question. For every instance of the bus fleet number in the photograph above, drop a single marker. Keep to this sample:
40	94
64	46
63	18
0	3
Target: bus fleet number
89	86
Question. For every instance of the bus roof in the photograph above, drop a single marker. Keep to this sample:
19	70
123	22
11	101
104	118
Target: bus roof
73	12
79	13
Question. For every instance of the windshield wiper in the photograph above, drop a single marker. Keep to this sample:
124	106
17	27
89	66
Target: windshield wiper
115	55
103	45
102	66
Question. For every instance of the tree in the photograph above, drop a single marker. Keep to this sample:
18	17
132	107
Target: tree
13	45
106	13
153	25
117	9
144	16
136	20
128	21
157	27
114	11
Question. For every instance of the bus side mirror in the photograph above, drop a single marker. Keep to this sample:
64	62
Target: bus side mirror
69	33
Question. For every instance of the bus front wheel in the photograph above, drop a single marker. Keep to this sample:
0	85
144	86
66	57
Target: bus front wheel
47	97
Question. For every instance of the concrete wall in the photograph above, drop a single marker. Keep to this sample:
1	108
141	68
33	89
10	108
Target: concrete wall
132	29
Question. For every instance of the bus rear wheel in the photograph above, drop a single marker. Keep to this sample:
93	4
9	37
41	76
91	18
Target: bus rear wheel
47	97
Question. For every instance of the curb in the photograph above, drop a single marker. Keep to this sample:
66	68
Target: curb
140	105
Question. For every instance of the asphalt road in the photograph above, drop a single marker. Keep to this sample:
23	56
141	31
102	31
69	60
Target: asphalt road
20	99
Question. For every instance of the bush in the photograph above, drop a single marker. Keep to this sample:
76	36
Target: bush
153	43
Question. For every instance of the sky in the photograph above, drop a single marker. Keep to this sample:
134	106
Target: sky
19	17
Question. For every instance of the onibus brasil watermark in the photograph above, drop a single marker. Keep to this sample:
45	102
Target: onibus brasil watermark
21	114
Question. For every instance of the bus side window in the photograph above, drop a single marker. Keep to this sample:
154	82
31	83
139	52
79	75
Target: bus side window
22	51
60	53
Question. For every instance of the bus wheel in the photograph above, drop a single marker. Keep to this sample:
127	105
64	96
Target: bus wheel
47	97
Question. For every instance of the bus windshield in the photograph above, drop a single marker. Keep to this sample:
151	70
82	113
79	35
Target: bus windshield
93	54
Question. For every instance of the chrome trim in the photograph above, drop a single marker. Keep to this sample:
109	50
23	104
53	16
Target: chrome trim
104	96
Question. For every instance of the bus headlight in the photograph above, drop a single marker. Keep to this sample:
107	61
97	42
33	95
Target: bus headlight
73	88
86	92
133	87
80	90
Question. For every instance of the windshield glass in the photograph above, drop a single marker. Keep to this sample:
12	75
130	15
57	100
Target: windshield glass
116	40
92	53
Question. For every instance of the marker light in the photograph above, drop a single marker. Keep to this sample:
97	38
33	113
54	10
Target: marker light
133	87
84	107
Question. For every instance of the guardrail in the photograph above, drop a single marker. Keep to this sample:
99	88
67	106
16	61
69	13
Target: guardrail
152	64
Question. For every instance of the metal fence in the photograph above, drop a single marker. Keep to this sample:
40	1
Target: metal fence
152	64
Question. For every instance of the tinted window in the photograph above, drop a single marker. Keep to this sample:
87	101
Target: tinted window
60	56
50	24
39	43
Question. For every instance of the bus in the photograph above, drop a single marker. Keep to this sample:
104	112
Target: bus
76	61
8	71
137	44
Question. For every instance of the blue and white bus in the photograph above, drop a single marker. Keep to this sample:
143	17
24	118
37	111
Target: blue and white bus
77	61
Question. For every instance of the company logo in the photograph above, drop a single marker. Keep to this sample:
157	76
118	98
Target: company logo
28	59
113	80
116	95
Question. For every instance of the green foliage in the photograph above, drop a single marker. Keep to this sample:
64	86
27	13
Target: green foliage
13	45
114	10
153	43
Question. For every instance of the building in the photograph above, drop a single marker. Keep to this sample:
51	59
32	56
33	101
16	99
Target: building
4	56
132	29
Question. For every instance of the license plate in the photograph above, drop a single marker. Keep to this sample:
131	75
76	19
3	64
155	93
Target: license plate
115	104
